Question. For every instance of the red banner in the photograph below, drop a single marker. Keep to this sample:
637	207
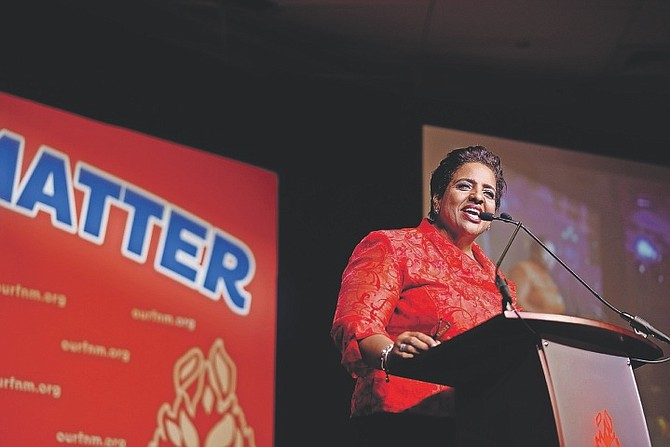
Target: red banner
137	288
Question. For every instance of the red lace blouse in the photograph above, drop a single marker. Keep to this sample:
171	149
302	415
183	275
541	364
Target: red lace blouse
409	279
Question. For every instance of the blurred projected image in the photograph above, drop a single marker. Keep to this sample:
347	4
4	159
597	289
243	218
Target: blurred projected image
646	219
647	243
569	229
607	219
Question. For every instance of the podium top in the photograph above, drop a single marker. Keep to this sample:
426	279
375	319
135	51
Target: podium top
499	343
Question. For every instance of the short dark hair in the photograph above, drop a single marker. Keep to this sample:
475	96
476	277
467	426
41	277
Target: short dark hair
444	172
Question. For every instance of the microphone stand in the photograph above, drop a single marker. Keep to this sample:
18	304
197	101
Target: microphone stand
639	325
502	285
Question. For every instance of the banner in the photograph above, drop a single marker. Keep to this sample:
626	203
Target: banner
137	288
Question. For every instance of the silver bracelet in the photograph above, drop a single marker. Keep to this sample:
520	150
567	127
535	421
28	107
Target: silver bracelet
384	360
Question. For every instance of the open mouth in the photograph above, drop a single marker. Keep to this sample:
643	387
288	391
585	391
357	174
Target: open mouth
473	213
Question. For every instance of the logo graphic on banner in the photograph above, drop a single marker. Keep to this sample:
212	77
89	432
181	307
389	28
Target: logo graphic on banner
205	411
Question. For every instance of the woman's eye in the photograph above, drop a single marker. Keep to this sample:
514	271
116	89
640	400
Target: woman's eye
490	194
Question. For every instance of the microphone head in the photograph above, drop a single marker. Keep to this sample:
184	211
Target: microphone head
486	216
505	217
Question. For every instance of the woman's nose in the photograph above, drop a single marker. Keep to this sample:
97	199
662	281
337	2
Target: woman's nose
477	196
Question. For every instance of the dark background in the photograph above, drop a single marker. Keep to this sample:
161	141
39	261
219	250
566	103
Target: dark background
347	154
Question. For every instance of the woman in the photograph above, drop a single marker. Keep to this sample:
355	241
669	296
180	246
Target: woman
404	291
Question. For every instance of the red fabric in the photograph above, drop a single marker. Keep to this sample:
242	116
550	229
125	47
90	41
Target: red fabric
409	279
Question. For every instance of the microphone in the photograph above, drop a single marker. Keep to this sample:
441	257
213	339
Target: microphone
502	285
504	217
639	325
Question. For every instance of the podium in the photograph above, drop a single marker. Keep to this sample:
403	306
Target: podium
532	379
